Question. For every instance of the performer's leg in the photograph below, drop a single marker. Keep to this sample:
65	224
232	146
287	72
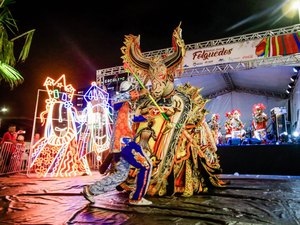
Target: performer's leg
109	182
134	154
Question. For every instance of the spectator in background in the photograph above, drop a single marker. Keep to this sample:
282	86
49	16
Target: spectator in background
36	138
20	139
10	135
6	152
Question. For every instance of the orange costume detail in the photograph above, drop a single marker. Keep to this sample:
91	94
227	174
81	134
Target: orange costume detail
123	128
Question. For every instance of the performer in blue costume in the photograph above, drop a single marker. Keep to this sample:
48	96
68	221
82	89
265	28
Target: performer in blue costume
125	152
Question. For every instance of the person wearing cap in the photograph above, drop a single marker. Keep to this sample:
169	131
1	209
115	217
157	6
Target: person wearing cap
124	152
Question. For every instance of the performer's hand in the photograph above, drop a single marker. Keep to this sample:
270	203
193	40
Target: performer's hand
144	92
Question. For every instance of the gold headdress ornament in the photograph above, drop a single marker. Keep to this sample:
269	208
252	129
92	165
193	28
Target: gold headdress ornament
132	54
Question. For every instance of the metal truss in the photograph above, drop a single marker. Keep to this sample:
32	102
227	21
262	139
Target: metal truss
222	68
246	37
228	80
291	60
246	90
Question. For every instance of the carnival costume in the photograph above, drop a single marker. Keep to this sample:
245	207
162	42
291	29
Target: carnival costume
186	161
237	125
228	127
125	152
215	127
259	122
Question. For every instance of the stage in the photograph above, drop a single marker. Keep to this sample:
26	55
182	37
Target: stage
271	159
248	199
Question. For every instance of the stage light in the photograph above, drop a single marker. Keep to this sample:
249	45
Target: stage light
283	137
296	69
4	109
288	91
293	78
296	134
291	85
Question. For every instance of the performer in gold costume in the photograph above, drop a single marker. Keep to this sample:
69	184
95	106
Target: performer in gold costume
184	148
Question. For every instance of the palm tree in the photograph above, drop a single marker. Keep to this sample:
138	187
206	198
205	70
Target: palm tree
7	58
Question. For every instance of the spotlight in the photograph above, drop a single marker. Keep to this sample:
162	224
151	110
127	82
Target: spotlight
296	134
283	137
291	85
289	90
296	69
293	78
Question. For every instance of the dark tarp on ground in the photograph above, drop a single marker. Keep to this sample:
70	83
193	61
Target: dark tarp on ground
246	200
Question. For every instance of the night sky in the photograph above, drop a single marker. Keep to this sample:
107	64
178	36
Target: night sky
76	38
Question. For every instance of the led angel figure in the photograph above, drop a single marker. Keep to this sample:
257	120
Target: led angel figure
56	152
96	130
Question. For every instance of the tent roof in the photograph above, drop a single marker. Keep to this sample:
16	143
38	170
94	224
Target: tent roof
269	81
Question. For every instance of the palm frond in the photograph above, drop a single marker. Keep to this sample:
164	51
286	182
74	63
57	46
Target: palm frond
26	47
10	75
1	43
7	55
5	3
8	21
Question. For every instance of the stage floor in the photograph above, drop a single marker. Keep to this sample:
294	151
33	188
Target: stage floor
248	199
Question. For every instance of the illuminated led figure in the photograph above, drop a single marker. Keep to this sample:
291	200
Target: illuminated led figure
96	122
56	153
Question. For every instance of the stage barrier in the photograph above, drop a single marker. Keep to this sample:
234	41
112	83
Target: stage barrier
13	158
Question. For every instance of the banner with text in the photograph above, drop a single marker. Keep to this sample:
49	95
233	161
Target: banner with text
243	51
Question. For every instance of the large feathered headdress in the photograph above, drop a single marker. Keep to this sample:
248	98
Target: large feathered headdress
140	64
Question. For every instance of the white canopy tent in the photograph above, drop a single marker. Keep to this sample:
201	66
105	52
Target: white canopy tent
242	89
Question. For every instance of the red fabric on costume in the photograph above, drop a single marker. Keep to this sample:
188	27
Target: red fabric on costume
122	127
261	125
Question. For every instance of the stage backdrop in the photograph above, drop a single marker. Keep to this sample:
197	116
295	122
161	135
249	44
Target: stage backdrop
243	102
